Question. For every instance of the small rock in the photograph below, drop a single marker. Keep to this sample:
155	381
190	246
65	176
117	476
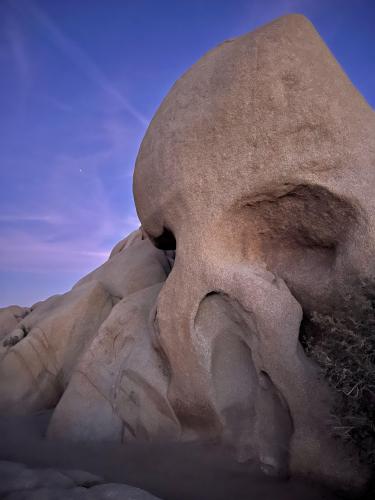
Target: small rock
17	477
113	491
14	476
83	478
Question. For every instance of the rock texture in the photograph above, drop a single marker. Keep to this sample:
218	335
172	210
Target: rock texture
254	187
35	373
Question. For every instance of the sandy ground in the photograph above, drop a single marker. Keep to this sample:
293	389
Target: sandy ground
170	471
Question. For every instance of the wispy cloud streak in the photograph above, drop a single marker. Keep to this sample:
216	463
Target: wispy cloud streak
81	59
17	47
82	204
50	219
72	222
32	252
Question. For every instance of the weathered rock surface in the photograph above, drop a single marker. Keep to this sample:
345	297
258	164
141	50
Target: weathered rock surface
119	392
35	372
133	265
254	185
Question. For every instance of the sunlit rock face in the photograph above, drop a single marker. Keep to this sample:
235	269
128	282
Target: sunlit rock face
254	186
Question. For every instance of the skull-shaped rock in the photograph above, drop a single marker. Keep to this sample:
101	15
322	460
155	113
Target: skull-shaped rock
255	183
259	170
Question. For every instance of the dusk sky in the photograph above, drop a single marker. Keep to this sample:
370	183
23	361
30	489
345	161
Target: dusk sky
80	81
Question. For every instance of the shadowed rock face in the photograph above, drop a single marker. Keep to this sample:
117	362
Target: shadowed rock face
254	185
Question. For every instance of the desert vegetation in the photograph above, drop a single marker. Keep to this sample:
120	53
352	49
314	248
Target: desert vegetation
343	345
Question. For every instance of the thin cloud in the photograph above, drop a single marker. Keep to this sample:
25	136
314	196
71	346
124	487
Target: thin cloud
50	219
17	47
79	231
58	104
30	252
82	60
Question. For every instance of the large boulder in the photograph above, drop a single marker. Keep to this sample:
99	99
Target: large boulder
258	170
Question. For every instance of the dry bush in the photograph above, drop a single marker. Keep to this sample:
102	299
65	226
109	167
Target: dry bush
343	345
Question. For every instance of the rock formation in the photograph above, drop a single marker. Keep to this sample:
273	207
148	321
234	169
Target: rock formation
254	186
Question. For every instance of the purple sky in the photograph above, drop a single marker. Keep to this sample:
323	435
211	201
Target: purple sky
79	83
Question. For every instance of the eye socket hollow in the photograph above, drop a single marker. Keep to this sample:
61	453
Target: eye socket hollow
166	241
306	216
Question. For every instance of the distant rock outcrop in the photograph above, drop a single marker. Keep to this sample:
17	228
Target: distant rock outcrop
9	319
254	186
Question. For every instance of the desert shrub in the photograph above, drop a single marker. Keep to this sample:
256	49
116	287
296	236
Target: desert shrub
343	344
